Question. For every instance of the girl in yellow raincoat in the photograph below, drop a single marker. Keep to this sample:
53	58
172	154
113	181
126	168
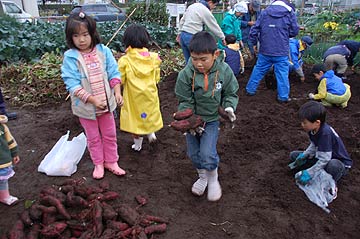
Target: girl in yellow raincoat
140	71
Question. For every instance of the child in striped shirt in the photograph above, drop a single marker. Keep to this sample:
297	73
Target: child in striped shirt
90	73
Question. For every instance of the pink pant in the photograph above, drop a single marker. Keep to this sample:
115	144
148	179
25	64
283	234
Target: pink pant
101	138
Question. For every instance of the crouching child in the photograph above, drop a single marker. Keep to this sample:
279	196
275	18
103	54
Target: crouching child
331	89
326	149
204	85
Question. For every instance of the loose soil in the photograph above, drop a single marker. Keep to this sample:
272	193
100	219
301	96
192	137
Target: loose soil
260	198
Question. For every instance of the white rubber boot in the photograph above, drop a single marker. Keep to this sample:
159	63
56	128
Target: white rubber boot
198	188
137	144
152	137
214	188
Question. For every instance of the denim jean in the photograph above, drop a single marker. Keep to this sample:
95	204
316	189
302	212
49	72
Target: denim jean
202	149
281	69
185	38
334	167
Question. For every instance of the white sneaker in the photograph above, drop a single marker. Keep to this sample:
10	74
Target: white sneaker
214	188
152	137
199	187
137	144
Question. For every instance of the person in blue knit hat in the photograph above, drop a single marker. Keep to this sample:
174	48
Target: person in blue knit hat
297	49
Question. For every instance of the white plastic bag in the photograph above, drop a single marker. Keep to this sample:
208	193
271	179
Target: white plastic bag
321	189
63	158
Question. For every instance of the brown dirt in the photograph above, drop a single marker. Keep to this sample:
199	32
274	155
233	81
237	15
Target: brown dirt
260	198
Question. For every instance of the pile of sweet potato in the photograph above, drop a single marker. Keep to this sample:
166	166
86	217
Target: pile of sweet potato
77	210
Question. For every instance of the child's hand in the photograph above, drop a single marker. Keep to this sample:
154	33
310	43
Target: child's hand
95	100
311	96
119	99
16	160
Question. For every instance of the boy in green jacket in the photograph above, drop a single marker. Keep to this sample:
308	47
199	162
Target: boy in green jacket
204	85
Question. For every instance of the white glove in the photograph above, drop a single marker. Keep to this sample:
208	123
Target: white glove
242	70
230	113
311	96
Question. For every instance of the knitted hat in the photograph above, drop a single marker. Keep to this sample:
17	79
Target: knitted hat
255	5
241	7
307	40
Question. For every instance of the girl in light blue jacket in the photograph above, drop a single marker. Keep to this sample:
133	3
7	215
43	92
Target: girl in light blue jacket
90	73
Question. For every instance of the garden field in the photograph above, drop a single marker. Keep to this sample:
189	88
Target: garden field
260	198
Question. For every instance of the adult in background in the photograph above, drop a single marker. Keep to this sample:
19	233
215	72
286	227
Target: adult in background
354	48
195	17
247	21
297	49
230	25
276	24
335	58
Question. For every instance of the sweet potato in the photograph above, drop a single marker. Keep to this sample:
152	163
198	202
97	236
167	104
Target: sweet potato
83	215
34	212
141	200
34	232
77	225
54	229
83	190
187	124
110	195
142	235
48	218
108	234
52	201
97	196
45	209
97	218
159	228
74	201
76	233
184	114
17	231
66	188
49	190
109	212
155	219
117	226
128	214
87	235
124	234
25	218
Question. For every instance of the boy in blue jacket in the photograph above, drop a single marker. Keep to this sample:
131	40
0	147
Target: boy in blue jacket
297	50
331	89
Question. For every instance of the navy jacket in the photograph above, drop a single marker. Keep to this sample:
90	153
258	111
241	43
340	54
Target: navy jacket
354	48
233	60
338	49
276	24
245	29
